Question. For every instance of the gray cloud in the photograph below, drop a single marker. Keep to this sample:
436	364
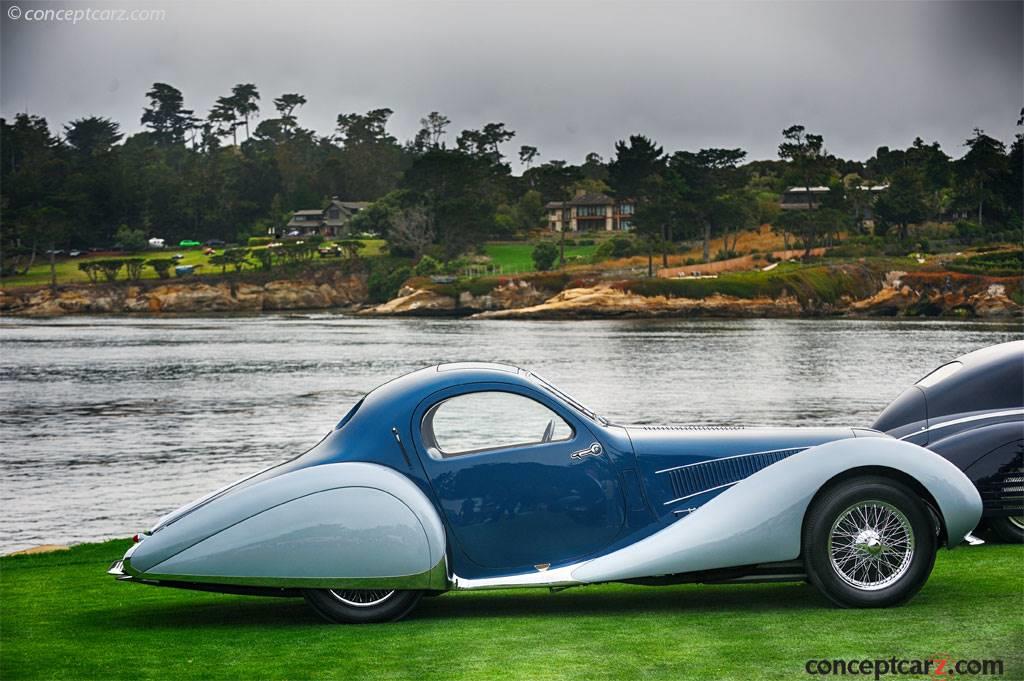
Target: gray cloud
569	77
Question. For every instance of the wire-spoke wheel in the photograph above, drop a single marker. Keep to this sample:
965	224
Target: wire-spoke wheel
869	542
362	606
871	545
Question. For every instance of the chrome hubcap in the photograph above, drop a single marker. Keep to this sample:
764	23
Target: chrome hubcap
362	598
871	545
1017	521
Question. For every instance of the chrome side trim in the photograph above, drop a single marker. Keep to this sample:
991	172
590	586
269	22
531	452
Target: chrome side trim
703	491
434	579
966	419
558	577
726	458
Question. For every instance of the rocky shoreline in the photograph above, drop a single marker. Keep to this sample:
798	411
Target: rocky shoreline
894	294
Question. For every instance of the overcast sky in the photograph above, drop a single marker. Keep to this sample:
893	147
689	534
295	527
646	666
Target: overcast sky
568	77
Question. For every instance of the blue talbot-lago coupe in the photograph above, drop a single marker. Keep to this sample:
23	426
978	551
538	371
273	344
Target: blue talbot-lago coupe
477	476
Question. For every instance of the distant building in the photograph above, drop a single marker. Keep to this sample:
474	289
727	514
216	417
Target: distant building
327	222
795	198
591	212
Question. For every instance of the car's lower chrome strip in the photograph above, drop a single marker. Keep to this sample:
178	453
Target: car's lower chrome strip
558	577
434	579
967	419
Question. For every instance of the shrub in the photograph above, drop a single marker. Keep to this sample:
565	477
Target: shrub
616	247
992	264
427	266
544	255
385	279
259	241
91	269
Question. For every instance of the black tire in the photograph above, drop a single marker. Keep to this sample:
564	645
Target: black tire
361	607
858	565
1008	530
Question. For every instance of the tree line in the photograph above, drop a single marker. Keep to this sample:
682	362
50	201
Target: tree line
243	167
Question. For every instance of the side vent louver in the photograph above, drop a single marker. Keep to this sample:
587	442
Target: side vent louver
688	481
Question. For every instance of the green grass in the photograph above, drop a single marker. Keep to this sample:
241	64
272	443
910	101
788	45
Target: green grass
62	617
516	256
68	272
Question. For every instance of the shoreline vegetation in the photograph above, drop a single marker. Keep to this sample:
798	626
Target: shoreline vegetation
898	287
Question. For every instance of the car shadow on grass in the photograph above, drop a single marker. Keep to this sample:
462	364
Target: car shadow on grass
237	612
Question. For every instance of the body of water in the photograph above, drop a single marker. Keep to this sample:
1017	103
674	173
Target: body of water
108	423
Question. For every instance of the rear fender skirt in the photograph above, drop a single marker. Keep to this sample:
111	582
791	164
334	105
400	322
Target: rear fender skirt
336	525
759	520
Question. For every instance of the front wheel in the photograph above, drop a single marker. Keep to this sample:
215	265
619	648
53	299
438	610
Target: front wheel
869	543
361	606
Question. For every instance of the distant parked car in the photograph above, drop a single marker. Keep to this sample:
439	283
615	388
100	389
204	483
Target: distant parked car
215	243
208	251
177	256
188	243
156	243
74	254
329	252
971	412
184	270
295	232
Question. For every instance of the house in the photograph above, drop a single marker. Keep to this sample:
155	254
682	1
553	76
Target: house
590	211
795	198
328	222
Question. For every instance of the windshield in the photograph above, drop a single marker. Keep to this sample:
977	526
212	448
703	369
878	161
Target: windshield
590	414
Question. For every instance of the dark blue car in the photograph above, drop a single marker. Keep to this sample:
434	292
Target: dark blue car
478	476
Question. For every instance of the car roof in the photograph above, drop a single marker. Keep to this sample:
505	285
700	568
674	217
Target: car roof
990	378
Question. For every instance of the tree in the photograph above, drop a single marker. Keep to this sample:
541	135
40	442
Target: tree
93	135
92	269
237	258
980	172
131	239
432	129
369	128
411	229
903	203
162	267
224	117
544	255
486	142
133	268
807	167
635	163
527	154
244	98
110	267
286	105
166	115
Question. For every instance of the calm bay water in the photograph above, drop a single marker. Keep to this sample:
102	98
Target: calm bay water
107	423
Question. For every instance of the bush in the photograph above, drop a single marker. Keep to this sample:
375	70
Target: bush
993	264
91	269
427	266
259	241
385	279
110	268
544	255
616	247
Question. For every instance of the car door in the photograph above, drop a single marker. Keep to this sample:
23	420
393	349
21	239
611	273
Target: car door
522	480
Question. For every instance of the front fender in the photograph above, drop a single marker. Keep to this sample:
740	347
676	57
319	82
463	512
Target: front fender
335	525
760	519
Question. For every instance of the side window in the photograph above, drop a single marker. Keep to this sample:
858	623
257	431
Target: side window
482	421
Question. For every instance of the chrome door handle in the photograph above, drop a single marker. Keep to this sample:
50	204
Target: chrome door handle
593	450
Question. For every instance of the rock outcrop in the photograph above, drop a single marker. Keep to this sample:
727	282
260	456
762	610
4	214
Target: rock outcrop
605	301
326	290
936	294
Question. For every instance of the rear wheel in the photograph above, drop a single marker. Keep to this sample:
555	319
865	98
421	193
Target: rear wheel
362	606
1009	529
869	543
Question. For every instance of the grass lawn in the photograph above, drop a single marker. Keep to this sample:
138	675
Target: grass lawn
516	256
62	617
68	272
